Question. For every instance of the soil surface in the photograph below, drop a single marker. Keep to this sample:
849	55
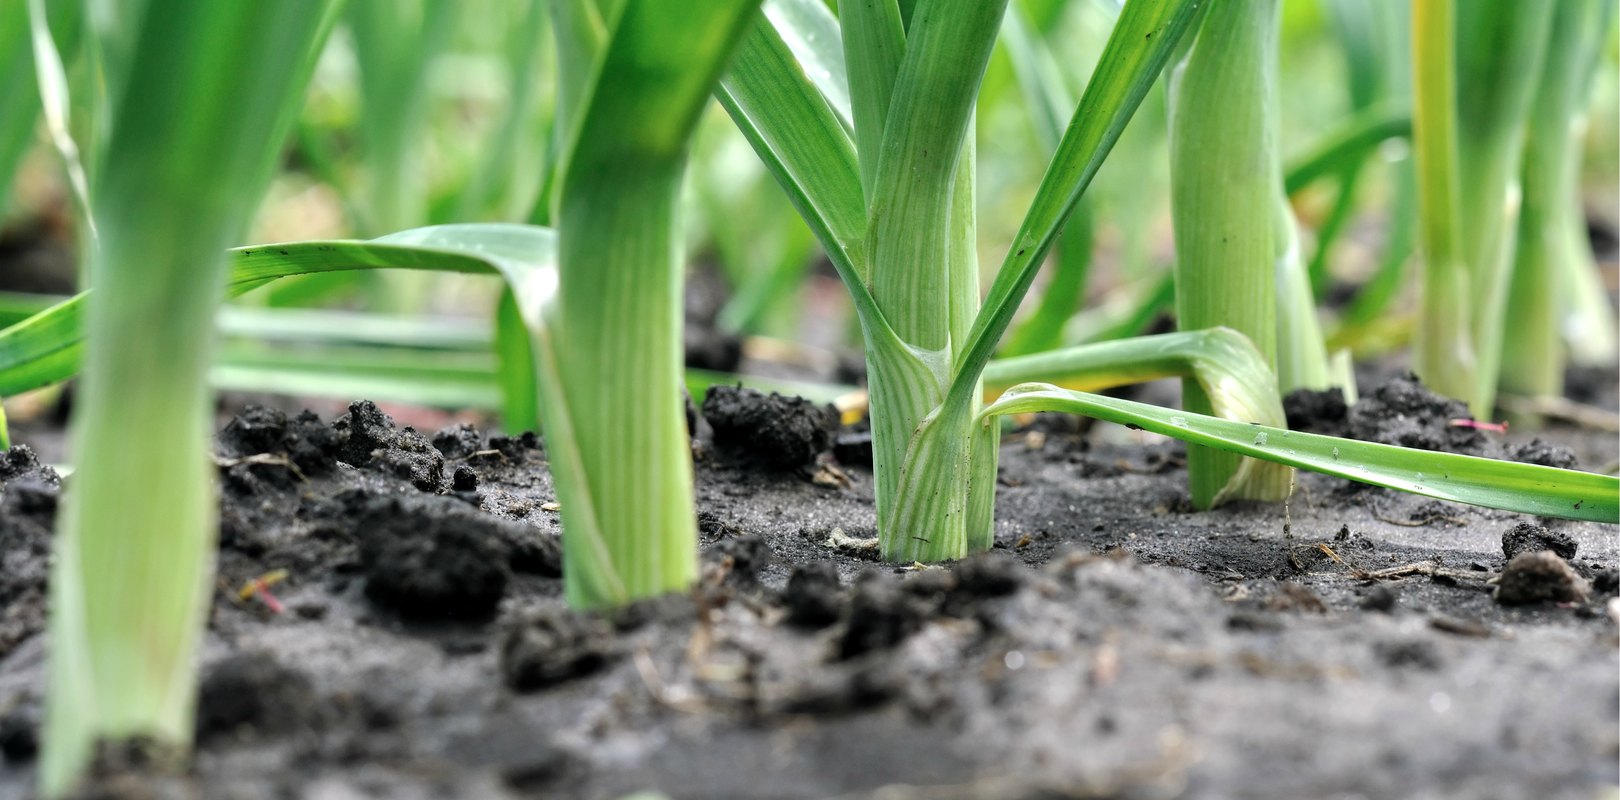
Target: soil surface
407	638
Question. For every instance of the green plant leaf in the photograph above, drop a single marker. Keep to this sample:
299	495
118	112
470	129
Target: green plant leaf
794	128
1506	485
610	378
1048	99
56	106
910	221
204	95
452	380
45	348
874	40
19	92
1142	42
1346	145
1230	371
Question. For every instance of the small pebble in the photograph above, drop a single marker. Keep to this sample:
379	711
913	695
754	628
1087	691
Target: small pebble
1540	576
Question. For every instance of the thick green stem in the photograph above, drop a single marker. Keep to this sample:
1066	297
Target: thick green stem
1551	227
609	355
924	273
620	262
1444	353
209	94
1225	178
1500	49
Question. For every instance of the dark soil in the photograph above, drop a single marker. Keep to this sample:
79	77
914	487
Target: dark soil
1351	643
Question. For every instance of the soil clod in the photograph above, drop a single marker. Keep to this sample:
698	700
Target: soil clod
1537	451
305	443
1317	411
552	646
1540	576
19	736
373	441
1380	597
1415	653
742	558
989	574
1527	537
1403	412
464	479
812	595
458	441
882	613
432	559
784	432
250	694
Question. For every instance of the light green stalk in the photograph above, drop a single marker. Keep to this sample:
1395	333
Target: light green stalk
1048	100
610	366
19	93
210	92
1500	49
1236	251
1488	482
907	263
924	279
396	43
1552	230
1444	350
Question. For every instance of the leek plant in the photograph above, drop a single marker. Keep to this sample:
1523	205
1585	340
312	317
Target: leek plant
599	294
1377	47
1237	252
886	181
1553	263
1476	66
199	97
42	350
1048	98
634	83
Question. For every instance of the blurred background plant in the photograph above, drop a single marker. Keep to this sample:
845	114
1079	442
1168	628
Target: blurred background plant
427	111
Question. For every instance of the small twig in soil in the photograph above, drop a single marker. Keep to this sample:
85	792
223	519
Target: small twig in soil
830	476
1288	528
838	540
1425	568
1323	546
271	459
662	693
479	454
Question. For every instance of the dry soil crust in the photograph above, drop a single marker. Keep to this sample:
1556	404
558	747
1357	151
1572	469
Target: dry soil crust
1115	643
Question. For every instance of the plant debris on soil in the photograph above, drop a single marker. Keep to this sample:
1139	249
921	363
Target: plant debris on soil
390	623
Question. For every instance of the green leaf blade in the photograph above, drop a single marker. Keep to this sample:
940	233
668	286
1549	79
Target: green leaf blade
1144	39
1505	485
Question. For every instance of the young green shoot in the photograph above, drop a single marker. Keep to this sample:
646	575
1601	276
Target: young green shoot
1552	241
197	118
1237	252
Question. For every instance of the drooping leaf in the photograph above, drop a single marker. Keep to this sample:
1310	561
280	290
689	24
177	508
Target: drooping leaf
1507	485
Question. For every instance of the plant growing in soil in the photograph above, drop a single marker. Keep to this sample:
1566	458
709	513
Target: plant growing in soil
867	123
1499	207
1237	252
895	218
199	98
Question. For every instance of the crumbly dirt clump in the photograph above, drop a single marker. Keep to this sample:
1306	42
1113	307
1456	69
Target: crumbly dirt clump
784	432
